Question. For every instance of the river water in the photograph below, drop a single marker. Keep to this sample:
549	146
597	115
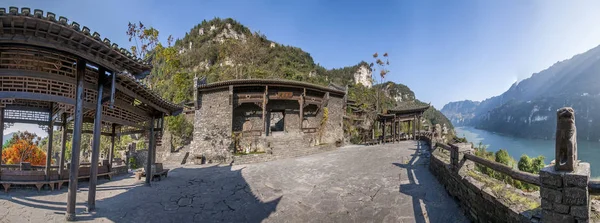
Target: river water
587	151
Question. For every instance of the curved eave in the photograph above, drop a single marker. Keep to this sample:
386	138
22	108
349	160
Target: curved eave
267	82
408	110
46	31
139	90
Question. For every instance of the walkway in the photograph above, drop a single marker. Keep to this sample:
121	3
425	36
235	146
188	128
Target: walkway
384	183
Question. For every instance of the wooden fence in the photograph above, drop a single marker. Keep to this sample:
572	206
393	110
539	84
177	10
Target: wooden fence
593	185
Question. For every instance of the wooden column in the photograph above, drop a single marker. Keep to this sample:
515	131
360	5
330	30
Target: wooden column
395	127
264	111
50	141
77	127
111	152
150	151
96	143
409	129
301	103
383	132
1	132
415	127
63	146
373	131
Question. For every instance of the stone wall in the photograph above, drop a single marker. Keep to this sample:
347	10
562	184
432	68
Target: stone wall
334	130
212	127
215	120
565	196
312	117
141	157
120	170
478	194
292	114
247	117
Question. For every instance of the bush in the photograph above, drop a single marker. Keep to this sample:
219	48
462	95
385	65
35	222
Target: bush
132	163
181	129
525	164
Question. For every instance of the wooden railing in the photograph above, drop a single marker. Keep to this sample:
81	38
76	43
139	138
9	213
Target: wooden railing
515	174
594	187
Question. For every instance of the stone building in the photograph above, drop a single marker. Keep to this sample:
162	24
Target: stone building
257	116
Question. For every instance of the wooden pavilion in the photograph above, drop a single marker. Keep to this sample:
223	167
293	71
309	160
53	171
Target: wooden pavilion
56	73
393	118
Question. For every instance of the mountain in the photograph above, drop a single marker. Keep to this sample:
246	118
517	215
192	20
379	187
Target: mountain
528	108
224	49
461	112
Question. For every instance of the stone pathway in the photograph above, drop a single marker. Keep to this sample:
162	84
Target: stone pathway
384	183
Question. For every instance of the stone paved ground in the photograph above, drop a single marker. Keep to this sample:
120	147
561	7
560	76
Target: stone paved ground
385	183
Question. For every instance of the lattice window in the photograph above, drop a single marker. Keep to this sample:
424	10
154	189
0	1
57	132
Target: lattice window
26	115
37	85
30	103
123	114
37	60
88	126
91	76
90	95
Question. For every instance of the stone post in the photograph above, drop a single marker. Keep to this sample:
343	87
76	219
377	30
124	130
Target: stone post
564	184
457	153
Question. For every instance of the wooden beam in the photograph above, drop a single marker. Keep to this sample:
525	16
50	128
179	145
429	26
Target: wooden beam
142	99
25	121
42	75
594	187
27	108
92	132
135	132
37	97
515	174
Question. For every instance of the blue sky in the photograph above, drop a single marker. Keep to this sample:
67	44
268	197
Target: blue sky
443	50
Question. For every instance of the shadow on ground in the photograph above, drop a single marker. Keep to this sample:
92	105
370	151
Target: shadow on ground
428	201
209	194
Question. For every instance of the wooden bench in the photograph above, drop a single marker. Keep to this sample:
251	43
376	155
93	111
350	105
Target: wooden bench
24	177
108	175
158	173
38	178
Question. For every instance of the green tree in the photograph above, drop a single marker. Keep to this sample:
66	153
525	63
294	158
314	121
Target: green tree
503	157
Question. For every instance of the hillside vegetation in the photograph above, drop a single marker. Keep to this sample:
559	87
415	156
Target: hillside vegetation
224	49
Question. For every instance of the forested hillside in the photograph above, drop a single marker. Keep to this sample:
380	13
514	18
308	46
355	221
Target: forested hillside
224	49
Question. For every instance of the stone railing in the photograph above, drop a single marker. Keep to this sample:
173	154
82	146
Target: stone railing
452	165
564	194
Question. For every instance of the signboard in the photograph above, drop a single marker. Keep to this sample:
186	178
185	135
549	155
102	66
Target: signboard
285	95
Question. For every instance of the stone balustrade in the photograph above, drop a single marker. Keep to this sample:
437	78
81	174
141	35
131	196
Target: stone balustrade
565	185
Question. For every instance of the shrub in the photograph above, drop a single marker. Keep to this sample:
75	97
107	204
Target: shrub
525	164
132	163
